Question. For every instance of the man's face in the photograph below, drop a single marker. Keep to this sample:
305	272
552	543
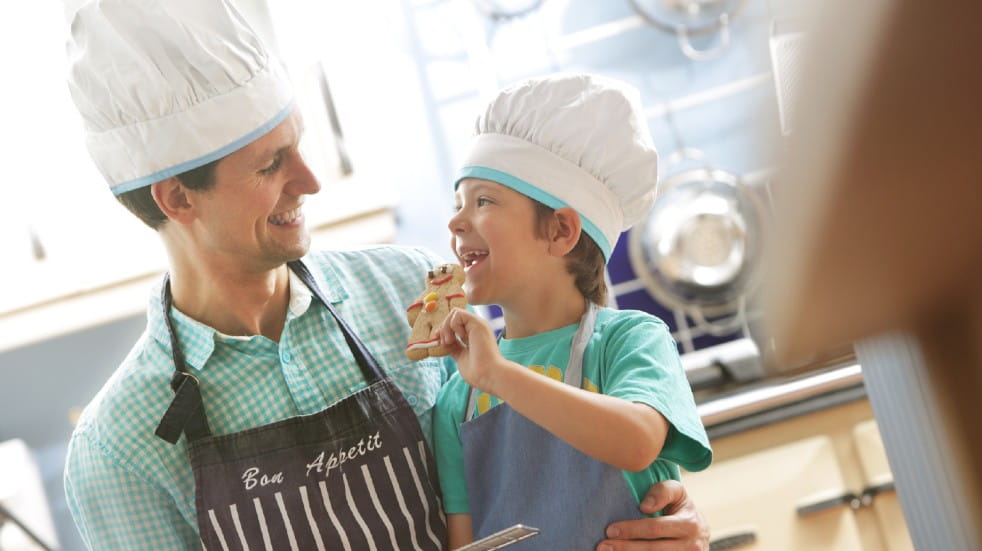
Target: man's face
252	215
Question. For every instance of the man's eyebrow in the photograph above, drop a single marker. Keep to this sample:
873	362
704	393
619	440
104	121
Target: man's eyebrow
271	153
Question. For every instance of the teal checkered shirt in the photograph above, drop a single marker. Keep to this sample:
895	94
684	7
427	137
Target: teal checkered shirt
129	490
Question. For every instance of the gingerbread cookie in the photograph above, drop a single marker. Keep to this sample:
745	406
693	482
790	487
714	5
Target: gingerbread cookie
444	290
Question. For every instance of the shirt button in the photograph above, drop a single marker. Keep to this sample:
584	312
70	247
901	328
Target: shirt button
411	399
286	357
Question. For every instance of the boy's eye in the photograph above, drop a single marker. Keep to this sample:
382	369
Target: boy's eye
481	201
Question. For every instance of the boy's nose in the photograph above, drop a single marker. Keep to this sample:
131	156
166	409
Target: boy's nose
457	222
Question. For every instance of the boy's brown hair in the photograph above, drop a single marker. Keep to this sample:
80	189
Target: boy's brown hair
585	262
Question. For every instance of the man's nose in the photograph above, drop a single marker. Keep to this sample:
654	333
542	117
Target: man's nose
302	178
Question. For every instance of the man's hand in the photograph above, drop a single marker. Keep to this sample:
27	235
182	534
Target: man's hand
680	528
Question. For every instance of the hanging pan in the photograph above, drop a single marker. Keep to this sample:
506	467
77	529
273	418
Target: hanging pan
699	249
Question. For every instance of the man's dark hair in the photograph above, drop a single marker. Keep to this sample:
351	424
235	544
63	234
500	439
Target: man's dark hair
140	201
585	262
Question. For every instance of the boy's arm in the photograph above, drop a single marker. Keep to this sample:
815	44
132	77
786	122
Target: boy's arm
459	530
624	434
447	418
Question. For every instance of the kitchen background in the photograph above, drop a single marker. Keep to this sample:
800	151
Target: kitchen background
390	89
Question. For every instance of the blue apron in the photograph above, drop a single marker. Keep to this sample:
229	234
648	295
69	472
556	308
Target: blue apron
356	476
517	472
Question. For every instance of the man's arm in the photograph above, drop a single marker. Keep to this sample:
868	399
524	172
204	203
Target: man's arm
114	507
680	528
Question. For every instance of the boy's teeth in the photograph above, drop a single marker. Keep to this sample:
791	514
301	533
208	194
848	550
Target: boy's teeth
471	258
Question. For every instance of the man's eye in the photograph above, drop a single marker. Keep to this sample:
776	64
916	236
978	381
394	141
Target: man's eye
272	166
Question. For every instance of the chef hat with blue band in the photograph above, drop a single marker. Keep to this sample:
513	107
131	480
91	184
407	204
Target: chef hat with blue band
166	86
578	141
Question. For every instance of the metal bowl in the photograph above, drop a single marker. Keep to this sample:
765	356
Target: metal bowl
699	248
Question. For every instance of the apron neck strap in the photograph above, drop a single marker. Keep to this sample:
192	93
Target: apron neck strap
186	412
369	367
574	369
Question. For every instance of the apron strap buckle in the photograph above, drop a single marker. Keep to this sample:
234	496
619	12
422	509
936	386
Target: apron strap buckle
186	411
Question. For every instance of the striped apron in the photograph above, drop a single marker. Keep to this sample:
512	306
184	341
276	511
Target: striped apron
355	476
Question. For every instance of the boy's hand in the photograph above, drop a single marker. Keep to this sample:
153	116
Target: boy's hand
472	344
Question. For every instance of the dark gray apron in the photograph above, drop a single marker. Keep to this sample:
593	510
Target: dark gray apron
517	472
355	476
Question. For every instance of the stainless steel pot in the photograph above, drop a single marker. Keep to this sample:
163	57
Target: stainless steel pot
700	247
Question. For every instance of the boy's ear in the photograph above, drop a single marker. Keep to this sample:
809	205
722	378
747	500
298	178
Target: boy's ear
564	231
172	199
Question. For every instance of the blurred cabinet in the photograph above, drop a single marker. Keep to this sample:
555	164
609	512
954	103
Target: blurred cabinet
879	489
818	481
751	501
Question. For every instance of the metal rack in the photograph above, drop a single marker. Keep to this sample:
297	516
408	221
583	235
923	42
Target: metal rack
477	53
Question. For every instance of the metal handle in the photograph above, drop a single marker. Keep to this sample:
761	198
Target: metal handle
6	515
874	490
854	501
733	541
825	502
720	328
682	32
332	116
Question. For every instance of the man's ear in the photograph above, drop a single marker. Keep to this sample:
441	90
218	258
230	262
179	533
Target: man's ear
564	231
172	199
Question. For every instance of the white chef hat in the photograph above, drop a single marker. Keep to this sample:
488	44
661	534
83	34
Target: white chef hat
165	86
580	141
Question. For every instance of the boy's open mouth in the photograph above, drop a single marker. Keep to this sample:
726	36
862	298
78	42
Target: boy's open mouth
472	258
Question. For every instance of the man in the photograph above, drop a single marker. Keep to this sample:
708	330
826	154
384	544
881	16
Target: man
269	403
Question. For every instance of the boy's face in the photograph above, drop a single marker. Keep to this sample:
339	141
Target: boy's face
493	236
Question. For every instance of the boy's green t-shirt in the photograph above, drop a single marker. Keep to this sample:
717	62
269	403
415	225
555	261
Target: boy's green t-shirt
630	355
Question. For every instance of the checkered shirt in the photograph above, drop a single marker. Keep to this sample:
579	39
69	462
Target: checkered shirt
129	490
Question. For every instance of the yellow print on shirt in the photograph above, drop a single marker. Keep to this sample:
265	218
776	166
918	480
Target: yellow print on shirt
553	372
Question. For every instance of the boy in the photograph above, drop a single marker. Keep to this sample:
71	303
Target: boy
560	166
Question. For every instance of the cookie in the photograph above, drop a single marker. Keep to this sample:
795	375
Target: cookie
444	291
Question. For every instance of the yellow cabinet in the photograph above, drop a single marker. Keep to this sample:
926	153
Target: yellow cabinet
752	502
815	481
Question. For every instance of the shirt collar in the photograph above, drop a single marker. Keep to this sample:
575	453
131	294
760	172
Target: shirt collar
198	340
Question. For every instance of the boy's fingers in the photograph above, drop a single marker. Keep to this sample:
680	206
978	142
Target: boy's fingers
457	326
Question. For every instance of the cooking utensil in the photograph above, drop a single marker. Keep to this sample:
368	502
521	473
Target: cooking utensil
699	249
687	18
506	9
